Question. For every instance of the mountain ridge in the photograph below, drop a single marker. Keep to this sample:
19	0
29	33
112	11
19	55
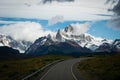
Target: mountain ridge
67	42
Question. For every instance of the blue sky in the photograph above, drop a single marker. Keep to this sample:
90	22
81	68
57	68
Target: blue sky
36	18
97	29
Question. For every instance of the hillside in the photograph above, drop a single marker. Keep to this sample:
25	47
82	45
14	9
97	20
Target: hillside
101	68
7	53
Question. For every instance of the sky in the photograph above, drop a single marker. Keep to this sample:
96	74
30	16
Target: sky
31	19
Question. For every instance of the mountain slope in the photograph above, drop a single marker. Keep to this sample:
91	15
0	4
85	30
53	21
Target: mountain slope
67	47
7	53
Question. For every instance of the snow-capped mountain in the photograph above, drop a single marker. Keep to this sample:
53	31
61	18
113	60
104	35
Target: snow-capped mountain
21	45
84	40
66	41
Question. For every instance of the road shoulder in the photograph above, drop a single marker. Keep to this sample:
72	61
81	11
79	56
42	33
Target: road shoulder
76	72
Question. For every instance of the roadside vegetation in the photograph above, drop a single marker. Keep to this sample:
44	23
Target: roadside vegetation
17	69
101	68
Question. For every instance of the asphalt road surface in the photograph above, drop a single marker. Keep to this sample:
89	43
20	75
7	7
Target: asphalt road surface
62	71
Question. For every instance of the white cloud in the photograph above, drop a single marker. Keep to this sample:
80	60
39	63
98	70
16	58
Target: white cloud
28	31
55	20
80	28
114	23
50	1
8	22
77	10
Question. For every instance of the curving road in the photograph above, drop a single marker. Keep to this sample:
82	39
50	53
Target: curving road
62	71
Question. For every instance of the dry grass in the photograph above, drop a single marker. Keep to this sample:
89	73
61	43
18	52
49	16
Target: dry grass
17	69
101	68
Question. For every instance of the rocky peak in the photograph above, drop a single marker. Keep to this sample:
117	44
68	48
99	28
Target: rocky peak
68	29
116	45
59	35
4	40
117	41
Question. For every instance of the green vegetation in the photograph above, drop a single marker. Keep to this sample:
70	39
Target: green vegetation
17	69
101	68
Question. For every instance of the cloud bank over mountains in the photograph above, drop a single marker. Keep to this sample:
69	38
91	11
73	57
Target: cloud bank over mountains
28	31
80	28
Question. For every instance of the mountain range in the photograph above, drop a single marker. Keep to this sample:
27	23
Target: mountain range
66	41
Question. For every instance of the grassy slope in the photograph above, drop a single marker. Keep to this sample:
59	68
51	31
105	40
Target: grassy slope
101	68
17	69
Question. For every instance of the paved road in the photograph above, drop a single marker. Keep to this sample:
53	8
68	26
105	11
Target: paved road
62	71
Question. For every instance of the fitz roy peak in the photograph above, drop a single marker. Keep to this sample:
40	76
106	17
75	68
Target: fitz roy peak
66	41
